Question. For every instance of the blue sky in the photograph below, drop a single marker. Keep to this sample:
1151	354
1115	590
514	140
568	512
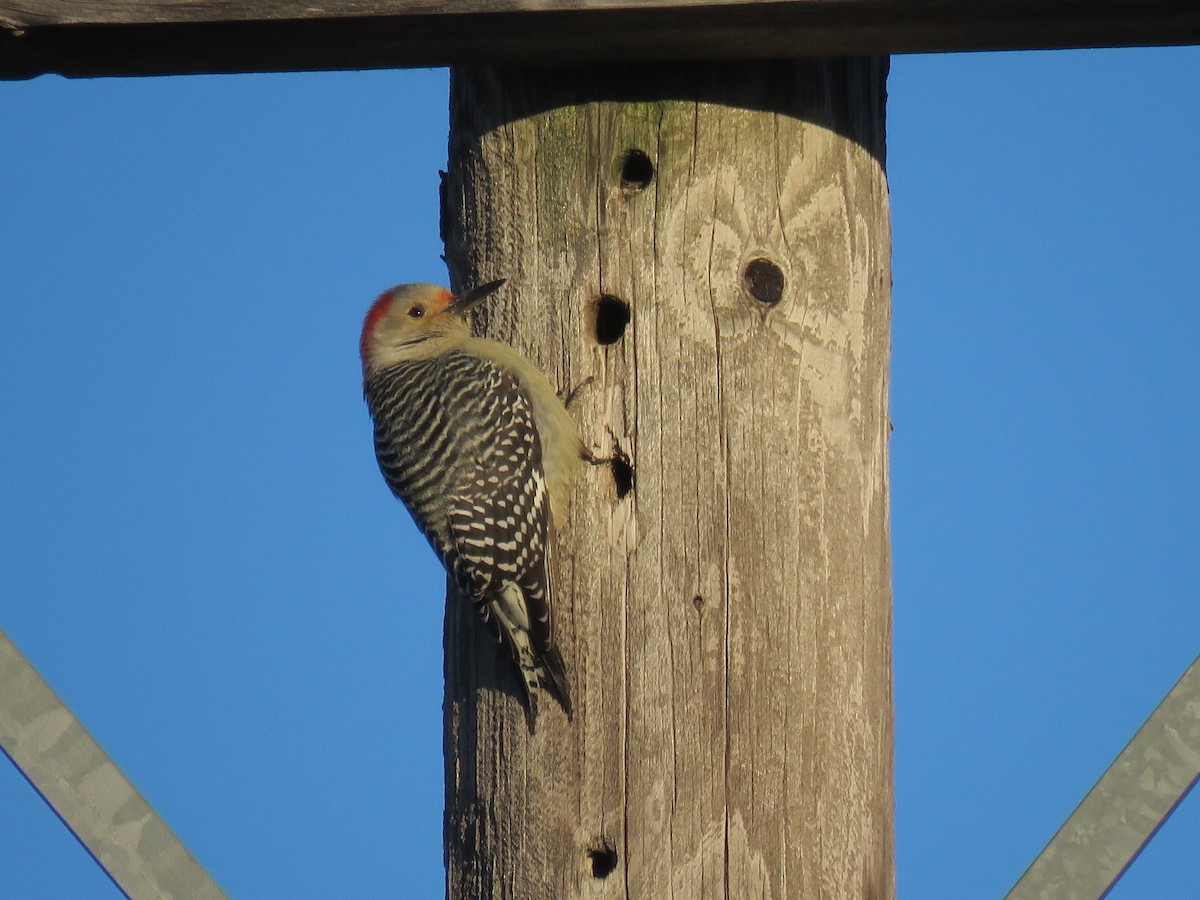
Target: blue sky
197	552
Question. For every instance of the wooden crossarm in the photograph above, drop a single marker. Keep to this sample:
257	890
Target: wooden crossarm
159	37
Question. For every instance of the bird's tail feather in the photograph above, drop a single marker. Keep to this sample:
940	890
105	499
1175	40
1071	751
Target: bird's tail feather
540	670
547	674
555	681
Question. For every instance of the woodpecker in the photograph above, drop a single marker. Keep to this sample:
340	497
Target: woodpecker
476	443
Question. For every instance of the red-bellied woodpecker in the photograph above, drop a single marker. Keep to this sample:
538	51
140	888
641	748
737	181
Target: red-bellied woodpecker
477	444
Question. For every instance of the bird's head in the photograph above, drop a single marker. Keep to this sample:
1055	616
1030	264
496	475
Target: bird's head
409	322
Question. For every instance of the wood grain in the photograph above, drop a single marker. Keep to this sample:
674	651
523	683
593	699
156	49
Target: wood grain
86	38
726	622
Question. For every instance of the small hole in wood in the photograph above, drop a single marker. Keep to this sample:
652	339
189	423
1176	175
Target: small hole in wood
622	473
698	602
603	859
637	171
612	315
763	280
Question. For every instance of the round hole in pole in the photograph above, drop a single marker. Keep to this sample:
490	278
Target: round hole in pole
612	315
637	171
763	280
602	859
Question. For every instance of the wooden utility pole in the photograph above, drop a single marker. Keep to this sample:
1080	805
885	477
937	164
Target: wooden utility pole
704	248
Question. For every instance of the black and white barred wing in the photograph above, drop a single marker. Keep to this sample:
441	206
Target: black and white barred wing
499	531
499	523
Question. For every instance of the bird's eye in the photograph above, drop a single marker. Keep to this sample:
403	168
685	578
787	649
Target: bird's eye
416	312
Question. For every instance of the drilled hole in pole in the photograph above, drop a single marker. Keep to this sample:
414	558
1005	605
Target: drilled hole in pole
622	473
763	280
637	171
603	859
612	315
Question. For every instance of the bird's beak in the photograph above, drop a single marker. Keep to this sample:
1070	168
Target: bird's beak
463	302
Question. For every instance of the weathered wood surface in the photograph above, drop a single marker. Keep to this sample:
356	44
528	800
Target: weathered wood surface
724	602
82	38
